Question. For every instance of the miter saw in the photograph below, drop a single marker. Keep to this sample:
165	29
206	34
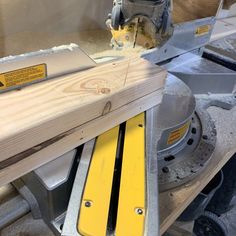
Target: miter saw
170	144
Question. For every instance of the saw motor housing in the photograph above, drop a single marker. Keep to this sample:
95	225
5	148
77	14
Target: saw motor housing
151	17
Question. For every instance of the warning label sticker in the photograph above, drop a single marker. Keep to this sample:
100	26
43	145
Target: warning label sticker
202	30
177	134
22	76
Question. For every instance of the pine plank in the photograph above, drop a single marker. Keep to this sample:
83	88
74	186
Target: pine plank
44	111
29	160
190	10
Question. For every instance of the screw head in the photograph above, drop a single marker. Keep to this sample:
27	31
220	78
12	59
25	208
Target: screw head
87	204
139	211
165	169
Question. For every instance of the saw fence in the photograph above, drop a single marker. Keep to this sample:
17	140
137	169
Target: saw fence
43	121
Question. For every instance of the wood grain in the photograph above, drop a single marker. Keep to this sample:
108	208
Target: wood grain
41	112
41	154
189	10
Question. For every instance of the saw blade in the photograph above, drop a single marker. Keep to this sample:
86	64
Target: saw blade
133	35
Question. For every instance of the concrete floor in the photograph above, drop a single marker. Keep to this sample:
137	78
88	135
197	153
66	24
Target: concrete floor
27	226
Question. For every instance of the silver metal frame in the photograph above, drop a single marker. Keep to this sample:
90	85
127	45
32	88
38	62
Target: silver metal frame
152	226
184	39
71	220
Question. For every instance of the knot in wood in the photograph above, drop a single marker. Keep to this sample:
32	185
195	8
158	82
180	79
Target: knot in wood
105	90
107	108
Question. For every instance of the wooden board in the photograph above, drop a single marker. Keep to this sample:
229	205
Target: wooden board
189	10
74	109
173	202
41	154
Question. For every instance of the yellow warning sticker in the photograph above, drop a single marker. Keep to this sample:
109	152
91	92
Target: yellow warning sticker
22	76
202	30
177	134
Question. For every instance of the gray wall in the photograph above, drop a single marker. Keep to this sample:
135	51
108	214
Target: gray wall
52	15
27	25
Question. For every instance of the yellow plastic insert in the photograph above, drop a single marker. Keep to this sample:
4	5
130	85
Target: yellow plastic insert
131	206
96	198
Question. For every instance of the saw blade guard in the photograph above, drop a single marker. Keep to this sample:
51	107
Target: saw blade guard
144	23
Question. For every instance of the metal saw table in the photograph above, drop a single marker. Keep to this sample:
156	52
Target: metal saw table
173	202
190	68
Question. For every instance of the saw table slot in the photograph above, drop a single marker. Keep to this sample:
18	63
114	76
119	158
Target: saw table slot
112	218
131	206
